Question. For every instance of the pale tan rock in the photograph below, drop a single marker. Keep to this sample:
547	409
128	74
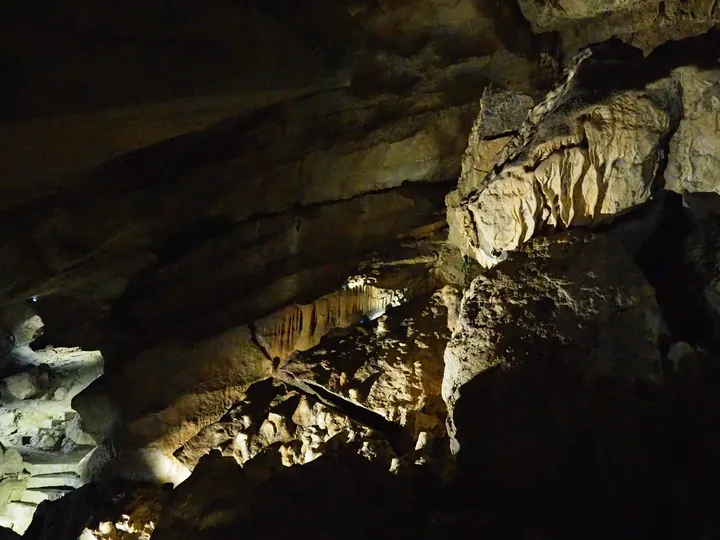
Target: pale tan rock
641	23
11	462
300	327
571	300
395	373
23	385
545	16
694	163
501	115
571	164
168	407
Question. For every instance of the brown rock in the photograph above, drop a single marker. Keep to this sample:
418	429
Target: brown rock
394	368
542	382
572	164
693	164
300	327
168	407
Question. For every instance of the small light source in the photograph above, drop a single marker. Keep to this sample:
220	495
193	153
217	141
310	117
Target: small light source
34	298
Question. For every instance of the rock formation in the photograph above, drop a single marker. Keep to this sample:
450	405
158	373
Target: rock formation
432	269
588	155
42	438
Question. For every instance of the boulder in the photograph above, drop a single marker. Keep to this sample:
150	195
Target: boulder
177	389
693	163
299	426
23	385
549	380
642	23
118	509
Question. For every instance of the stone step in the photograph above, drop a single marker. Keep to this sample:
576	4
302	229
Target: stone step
55	480
39	462
38	495
51	468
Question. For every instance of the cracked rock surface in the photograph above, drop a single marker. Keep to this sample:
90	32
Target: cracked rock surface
587	155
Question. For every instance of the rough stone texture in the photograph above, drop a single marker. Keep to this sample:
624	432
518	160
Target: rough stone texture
393	367
501	116
168	408
541	377
694	165
592	150
23	385
247	157
112	188
299	427
553	302
59	375
300	327
45	437
642	23
574	163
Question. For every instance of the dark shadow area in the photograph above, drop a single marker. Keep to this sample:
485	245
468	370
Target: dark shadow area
616	66
661	259
600	460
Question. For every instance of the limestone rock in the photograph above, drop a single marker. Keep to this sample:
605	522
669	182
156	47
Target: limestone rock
170	407
23	385
573	164
11	462
394	368
541	379
22	321
501	115
118	510
552	296
693	164
585	156
642	23
299	427
300	327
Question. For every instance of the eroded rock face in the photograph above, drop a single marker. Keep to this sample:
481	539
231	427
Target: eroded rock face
541	379
275	418
693	165
587	155
393	367
119	510
642	23
42	439
300	327
170	407
572	164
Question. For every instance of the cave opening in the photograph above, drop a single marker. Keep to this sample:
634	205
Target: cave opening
42	440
